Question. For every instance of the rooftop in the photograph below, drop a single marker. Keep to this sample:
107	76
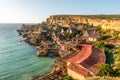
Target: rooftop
83	54
89	57
81	70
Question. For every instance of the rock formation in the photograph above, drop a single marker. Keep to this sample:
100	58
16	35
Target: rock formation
61	20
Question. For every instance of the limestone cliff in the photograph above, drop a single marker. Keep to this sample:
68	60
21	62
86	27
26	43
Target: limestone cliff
61	20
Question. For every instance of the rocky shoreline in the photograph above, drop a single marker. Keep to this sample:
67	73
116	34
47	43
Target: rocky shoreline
56	73
51	43
52	38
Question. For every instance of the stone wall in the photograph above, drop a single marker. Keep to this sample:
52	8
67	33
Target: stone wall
67	20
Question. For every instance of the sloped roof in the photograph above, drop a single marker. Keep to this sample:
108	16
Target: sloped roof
89	57
83	54
97	57
80	70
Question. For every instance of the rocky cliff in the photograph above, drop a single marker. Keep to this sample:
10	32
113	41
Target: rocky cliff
61	20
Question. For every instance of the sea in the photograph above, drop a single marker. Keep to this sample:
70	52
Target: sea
18	60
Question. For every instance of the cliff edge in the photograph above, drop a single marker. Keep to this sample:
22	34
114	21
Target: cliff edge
106	22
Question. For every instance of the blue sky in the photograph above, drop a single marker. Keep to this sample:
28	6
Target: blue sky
30	11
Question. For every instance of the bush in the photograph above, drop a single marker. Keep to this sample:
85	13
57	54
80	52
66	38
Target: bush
105	70
67	78
100	44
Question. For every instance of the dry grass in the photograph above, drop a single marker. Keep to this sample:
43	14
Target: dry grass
103	78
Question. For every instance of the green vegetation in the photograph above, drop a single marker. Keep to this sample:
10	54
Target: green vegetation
108	34
108	52
105	70
108	70
111	67
100	44
88	25
67	34
67	78
117	49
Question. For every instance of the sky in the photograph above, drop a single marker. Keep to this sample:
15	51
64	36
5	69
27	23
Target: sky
36	11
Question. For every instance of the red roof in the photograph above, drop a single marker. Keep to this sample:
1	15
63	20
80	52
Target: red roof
83	54
89	57
80	70
97	57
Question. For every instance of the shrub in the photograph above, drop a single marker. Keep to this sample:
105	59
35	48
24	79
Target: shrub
100	44
67	78
105	70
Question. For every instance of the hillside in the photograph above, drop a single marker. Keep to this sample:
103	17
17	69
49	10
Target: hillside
105	21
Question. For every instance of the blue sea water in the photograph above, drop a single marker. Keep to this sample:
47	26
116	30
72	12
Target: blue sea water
18	60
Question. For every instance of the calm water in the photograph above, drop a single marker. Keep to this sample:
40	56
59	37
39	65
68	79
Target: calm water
17	59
